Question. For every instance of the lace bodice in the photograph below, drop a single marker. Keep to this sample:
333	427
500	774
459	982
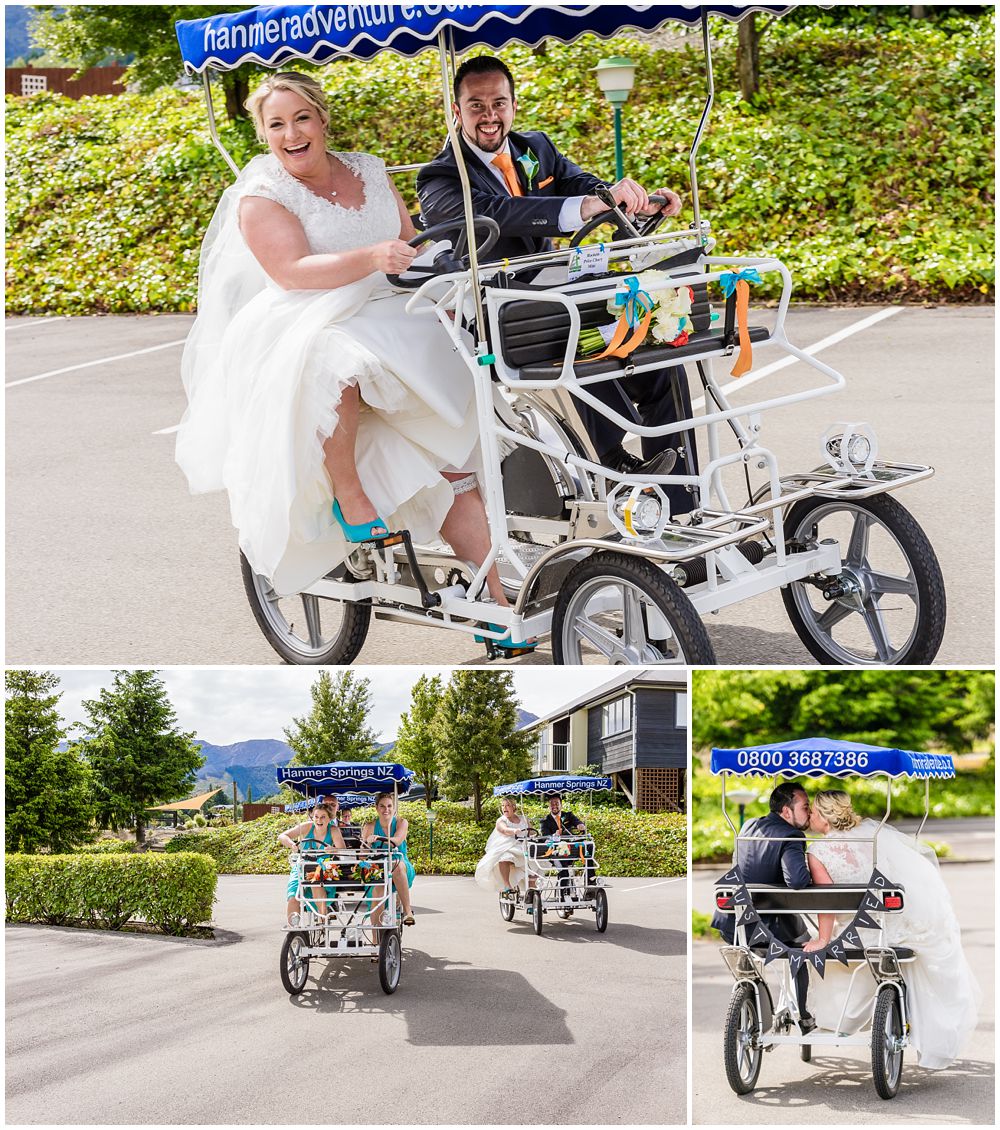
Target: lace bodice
846	862
329	226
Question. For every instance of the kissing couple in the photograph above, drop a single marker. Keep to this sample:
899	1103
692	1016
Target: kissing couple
841	849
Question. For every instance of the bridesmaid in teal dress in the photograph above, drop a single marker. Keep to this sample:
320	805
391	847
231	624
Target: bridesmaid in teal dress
388	827
311	835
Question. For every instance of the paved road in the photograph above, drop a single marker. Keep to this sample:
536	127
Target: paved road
109	560
836	1088
490	1024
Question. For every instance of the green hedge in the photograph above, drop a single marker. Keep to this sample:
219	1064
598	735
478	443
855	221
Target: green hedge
106	847
174	893
627	843
865	164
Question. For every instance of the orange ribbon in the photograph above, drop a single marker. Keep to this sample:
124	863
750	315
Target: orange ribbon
618	346
744	363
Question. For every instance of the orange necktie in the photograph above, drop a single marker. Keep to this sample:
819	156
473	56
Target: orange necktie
505	163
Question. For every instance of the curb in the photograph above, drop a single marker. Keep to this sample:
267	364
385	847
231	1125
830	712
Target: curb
221	938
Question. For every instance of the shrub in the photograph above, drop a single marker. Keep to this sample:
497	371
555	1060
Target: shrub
865	144
106	847
199	820
174	893
627	843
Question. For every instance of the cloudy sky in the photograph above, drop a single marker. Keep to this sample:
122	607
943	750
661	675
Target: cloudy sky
225	705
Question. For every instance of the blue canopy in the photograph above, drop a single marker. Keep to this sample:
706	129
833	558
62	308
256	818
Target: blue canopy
275	35
820	757
564	784
342	777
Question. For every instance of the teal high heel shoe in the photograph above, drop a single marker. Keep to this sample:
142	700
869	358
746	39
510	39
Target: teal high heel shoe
363	531
505	642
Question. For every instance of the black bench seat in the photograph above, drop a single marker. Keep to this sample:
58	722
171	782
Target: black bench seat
534	332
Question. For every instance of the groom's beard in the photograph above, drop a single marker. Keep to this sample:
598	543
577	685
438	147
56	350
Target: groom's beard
492	144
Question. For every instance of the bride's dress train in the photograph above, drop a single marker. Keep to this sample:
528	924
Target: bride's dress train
941	990
265	369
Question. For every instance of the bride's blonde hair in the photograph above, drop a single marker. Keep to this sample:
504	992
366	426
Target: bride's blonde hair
835	806
304	86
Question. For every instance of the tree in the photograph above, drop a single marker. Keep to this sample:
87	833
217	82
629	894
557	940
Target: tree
418	741
910	709
480	743
47	789
89	34
336	728
138	756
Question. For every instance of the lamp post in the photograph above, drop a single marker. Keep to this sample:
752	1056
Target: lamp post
616	76
741	797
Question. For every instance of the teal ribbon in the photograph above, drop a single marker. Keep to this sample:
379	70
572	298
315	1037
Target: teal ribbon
729	279
634	301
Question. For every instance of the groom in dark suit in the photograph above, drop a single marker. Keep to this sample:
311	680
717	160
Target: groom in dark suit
779	859
534	192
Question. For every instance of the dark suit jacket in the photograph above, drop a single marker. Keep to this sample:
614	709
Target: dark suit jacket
569	820
779	862
526	222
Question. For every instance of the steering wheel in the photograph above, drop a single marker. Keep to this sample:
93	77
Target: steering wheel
487	233
645	225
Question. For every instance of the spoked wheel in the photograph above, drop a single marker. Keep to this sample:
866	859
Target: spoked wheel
893	609
741	1040
601	910
304	628
507	910
622	610
390	961
294	963
887	1032
537	912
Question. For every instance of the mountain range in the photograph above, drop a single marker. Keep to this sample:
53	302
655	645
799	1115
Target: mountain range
251	764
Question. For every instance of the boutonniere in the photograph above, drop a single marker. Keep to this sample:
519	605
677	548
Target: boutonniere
529	163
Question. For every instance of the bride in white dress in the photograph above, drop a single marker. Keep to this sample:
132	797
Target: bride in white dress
941	994
502	866
326	412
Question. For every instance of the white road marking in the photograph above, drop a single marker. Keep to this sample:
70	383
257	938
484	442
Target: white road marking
91	364
825	343
36	322
167	431
646	886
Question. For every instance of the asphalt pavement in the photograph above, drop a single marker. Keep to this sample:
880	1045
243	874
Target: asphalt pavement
836	1087
490	1024
111	561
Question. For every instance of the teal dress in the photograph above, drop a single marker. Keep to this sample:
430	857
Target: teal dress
308	843
398	853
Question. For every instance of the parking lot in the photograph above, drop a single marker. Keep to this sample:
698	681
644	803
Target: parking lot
490	1025
111	560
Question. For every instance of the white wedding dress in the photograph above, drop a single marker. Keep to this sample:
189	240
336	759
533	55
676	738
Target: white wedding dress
264	370
941	993
498	849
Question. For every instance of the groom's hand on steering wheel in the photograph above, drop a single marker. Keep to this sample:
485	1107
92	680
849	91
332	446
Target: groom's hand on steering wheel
630	195
392	257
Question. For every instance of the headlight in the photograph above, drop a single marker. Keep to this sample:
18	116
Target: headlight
639	511
850	448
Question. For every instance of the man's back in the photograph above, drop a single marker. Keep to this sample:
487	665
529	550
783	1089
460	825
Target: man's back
777	858
773	858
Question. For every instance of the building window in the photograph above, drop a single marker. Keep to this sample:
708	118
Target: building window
616	717
34	84
681	718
